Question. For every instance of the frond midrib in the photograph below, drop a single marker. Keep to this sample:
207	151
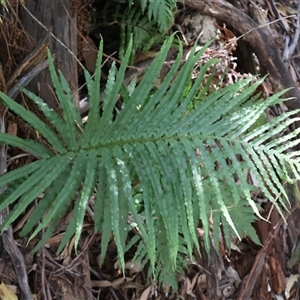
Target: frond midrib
154	139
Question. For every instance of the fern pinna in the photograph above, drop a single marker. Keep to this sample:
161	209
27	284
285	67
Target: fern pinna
152	166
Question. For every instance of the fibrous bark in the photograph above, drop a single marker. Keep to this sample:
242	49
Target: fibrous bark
55	17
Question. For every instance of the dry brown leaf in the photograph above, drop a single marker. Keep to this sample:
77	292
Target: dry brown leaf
133	267
142	56
146	293
278	281
120	281
89	53
24	219
293	279
133	285
101	283
202	281
6	293
12	128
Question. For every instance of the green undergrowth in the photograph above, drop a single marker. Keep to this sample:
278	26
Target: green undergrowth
156	166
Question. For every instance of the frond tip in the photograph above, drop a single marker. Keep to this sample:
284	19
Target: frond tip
190	164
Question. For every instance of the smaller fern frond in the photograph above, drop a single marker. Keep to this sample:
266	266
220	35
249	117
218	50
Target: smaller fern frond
160	11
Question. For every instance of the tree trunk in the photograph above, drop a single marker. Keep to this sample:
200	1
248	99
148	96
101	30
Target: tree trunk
53	17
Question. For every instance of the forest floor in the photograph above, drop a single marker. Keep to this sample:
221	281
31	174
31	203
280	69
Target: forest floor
249	271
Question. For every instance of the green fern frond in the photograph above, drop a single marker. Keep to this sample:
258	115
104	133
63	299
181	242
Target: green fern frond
138	29
160	11
184	160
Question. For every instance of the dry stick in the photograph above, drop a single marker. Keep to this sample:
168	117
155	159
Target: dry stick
14	91
271	4
43	280
248	284
289	50
9	243
263	25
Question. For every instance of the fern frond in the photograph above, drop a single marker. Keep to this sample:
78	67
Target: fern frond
185	159
161	11
144	30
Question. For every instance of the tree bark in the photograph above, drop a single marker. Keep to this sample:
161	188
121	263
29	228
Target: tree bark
57	17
